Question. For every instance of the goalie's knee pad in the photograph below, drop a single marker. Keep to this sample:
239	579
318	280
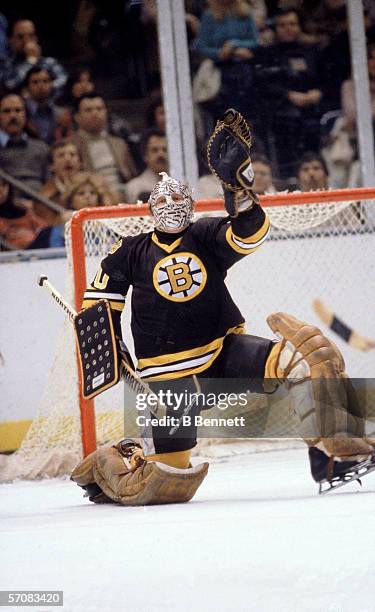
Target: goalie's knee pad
304	352
323	405
125	477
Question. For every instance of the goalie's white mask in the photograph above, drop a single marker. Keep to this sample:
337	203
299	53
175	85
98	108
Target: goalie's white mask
171	204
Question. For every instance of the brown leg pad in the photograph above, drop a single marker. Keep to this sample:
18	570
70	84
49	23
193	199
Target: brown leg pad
328	408
83	472
345	447
148	484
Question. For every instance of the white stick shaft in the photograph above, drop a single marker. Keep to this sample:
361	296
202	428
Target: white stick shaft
131	379
44	282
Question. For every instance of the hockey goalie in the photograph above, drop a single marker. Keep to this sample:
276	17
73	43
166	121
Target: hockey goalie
185	324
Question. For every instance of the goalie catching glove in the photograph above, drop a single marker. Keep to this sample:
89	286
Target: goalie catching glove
228	156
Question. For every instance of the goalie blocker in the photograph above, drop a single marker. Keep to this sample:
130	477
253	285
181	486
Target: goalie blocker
103	356
98	349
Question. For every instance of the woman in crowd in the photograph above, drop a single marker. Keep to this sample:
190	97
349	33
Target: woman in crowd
80	81
85	190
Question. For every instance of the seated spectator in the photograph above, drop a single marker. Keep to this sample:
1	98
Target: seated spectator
80	81
25	53
64	164
155	155
338	151
44	114
336	57
85	190
23	157
19	227
288	76
312	173
100	152
348	103
340	142
262	175
228	36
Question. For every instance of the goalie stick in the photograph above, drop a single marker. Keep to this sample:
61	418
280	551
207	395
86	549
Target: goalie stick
337	325
126	371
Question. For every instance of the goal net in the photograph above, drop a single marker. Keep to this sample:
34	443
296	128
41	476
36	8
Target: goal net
321	247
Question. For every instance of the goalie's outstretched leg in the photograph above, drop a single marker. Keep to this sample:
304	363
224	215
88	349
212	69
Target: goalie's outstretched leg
121	474
322	396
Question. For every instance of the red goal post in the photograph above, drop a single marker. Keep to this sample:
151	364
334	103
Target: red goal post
78	253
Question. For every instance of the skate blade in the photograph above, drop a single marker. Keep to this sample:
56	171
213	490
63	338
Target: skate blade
355	474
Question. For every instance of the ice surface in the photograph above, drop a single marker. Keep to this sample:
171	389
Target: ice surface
256	537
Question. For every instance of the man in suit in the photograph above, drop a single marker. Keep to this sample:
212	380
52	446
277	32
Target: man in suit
100	152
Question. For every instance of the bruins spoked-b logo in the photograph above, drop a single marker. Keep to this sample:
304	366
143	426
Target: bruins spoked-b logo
179	277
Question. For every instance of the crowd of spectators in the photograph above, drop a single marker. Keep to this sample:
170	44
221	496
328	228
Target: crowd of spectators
285	64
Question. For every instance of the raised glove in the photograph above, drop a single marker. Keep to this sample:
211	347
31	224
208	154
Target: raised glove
228	156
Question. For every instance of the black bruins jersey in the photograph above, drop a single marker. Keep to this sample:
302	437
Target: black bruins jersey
181	307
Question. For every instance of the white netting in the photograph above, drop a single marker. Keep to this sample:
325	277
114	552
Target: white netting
297	218
315	251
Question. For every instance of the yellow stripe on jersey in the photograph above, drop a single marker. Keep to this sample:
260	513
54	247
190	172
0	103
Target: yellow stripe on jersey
92	297
248	245
166	247
184	363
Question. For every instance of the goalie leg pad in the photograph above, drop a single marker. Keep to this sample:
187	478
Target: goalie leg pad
138	483
148	484
323	407
83	475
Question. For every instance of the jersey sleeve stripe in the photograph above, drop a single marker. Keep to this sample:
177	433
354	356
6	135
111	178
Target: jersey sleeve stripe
258	235
242	246
89	294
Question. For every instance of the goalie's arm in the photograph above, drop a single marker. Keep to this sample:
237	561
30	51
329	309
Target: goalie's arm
111	283
233	239
245	233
